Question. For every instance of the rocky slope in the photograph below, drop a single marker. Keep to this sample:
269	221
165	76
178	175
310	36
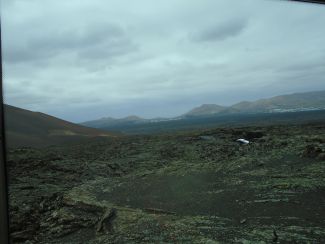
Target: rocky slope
27	128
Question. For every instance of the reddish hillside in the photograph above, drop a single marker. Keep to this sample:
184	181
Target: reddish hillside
27	128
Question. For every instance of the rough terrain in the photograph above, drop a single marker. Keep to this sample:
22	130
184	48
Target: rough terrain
187	187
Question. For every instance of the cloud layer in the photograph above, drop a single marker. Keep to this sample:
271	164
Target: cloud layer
82	60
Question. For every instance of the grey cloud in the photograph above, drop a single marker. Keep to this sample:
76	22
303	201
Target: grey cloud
103	39
24	54
24	96
156	58
220	31
25	99
76	37
110	49
303	66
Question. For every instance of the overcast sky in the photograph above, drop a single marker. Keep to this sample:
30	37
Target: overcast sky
82	60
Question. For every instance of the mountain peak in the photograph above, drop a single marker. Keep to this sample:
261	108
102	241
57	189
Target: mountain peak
205	109
132	117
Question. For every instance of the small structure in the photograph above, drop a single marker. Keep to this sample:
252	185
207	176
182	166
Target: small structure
242	141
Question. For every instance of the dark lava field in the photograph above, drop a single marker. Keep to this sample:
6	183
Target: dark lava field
197	186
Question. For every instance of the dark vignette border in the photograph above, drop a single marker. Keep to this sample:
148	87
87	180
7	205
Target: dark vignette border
4	214
310	1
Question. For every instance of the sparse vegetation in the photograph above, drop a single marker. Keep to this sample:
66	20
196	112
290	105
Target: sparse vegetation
174	188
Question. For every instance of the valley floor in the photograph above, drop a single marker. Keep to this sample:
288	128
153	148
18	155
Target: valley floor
187	187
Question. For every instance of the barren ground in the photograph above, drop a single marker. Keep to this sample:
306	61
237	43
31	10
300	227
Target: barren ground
187	187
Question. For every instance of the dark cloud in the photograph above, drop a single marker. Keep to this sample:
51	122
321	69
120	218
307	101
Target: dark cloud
90	41
25	54
220	31
79	37
112	48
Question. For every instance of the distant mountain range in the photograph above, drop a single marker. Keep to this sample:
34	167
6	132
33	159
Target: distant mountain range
285	103
34	129
111	121
27	128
